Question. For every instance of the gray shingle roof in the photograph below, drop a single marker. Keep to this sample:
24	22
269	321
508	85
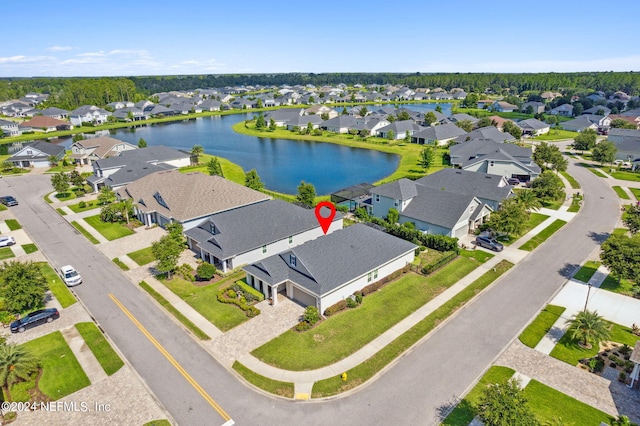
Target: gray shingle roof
401	189
42	150
401	126
333	260
532	124
489	132
151	154
438	207
246	228
441	132
482	185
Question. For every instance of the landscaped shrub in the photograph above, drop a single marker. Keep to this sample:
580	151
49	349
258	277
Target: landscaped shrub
206	271
351	302
82	204
302	326
436	242
311	315
247	289
232	294
224	296
333	309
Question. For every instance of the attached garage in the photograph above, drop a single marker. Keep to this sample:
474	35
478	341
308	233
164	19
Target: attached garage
302	296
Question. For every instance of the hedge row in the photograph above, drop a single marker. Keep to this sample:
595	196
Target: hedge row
241	302
435	242
248	289
439	263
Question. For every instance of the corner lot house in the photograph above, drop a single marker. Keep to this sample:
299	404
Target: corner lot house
328	269
533	127
87	151
253	232
36	154
188	198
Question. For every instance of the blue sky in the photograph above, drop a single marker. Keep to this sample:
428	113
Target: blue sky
73	38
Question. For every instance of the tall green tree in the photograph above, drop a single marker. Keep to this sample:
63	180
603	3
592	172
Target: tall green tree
76	179
512	128
505	405
604	152
471	100
125	207
585	141
16	364
439	109
142	143
306	194
167	252
510	219
425	160
588	328
619	123
486	122
393	216
272	125
106	195
430	118
214	167
548	186
621	255
631	218
528	200
175	231
549	156
197	151
22	286
60	182
252	180
260	122
465	125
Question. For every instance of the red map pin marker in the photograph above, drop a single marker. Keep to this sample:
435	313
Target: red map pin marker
325	222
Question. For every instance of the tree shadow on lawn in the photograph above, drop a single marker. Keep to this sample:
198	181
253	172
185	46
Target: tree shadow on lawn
568	270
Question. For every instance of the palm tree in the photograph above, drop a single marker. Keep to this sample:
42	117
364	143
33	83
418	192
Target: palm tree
197	151
587	327
16	364
528	200
125	206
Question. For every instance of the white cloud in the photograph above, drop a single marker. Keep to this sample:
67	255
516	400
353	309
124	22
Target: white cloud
23	59
58	48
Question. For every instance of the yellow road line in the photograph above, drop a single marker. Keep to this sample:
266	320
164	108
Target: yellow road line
175	363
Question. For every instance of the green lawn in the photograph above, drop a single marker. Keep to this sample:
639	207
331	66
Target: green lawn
611	284
161	422
541	325
203	299
464	412
626	175
111	231
84	232
553	205
621	192
596	172
556	134
104	353
231	171
3	207
88	205
57	286
173	311
567	349
13	224
342	334
620	231
574	183
635	192
553	407
586	272
543	236
61	212
284	389
29	248
65	196
535	219
120	264
56	357
377	362
6	253
142	257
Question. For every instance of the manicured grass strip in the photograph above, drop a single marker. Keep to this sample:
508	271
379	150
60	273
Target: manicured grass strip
84	232
142	257
464	412
3	207
625	175
620	231
535	219
623	287
343	334
596	172
88	205
104	353
120	264
557	134
275	387
179	316
574	183
635	192
55	357
551	406
377	362
6	253
13	224
204	299
575	205
541	325
621	192
586	272
543	236
59	289
567	349
61	211
111	231
161	422
230	170
29	248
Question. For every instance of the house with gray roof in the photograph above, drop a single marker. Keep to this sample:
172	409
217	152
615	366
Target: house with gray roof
489	132
462	116
57	113
282	116
597	110
331	268
565	110
131	165
88	114
533	127
10	128
339	124
587	121
437	135
250	233
489	156
431	210
302	121
37	154
536	107
188	198
400	129
502	106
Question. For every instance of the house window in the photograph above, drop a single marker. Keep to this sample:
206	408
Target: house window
369	277
377	198
395	203
375	274
292	260
291	239
29	152
264	249
491	163
213	229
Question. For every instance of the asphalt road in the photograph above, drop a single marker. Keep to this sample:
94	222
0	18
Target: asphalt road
416	390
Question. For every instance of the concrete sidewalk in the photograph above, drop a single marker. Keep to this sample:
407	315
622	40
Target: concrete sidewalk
86	358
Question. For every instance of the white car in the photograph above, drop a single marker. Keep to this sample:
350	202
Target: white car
6	241
70	276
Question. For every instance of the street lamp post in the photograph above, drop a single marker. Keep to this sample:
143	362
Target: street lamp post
587	301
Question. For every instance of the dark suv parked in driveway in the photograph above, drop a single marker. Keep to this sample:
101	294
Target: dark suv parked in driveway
34	318
488	242
8	200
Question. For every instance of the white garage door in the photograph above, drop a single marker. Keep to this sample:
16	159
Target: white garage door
461	232
303	298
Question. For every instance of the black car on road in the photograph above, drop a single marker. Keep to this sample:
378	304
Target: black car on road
34	318
8	200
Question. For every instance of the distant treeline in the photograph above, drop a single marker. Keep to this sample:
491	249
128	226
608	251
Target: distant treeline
71	92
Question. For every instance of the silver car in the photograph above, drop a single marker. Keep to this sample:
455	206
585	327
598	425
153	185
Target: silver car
6	241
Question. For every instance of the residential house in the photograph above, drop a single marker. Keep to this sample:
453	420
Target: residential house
547	96
498	121
339	124
10	128
583	122
42	123
484	103
302	121
120	104
37	154
88	114
433	211
628	146
331	268
321	109
536	107
57	113
491	157
86	151
438	135
400	129
211	105
489	132
455	118
370	124
159	111
188	198
502	106
282	116
565	110
597	110
130	114
250	233
131	165
354	197
617	135
143	105
634	120
533	127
